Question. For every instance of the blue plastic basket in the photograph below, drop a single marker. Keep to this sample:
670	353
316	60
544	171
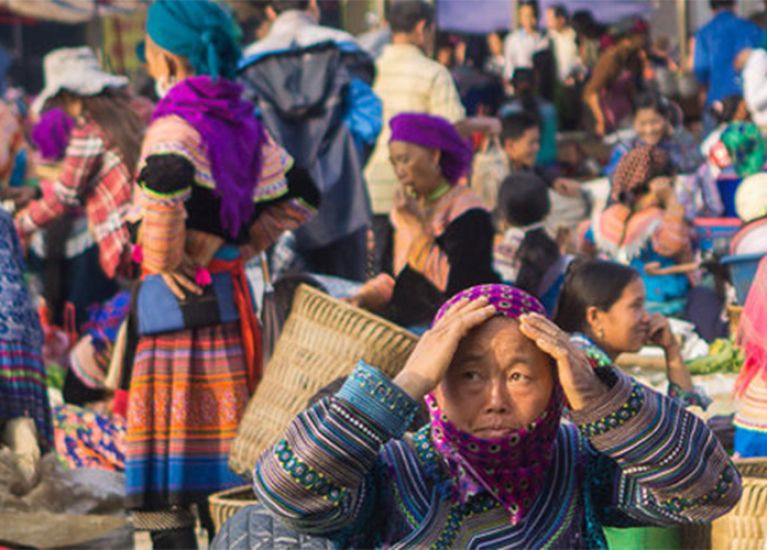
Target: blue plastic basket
711	230
742	272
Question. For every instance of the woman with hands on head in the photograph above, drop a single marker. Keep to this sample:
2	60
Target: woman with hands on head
603	305
495	465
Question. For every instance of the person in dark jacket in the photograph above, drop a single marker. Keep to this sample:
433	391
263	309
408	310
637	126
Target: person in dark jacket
312	87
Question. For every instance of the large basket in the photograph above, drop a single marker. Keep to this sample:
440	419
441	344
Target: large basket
745	526
224	504
323	339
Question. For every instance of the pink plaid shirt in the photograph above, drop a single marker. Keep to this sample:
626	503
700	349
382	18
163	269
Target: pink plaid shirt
95	178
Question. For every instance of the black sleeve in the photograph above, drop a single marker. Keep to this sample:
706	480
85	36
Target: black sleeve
167	174
300	186
468	243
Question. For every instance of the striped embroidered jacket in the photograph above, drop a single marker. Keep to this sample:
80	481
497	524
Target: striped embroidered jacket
346	470
95	177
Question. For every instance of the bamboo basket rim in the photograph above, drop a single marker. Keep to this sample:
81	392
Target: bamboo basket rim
342	306
322	339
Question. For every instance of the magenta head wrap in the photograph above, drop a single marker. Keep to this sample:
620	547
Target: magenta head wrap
435	132
51	134
511	468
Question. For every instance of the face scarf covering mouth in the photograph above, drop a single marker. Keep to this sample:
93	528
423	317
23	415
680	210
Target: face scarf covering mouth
511	468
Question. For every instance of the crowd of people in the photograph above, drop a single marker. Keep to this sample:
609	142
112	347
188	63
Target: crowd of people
424	177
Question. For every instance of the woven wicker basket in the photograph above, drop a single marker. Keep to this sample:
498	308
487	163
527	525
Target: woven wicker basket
323	339
224	504
745	526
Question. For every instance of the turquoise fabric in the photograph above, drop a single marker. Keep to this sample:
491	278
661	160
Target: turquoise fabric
666	294
201	31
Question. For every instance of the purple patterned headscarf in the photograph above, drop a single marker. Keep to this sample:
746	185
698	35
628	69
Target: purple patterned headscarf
233	137
511	468
51	134
435	132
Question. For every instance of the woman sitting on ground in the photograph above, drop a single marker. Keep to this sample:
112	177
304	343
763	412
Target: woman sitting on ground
645	228
495	466
526	255
603	304
443	234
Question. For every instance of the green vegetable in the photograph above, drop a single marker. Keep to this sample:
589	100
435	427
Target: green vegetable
723	356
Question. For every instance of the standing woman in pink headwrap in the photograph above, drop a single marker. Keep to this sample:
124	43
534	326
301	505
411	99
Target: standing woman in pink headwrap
443	235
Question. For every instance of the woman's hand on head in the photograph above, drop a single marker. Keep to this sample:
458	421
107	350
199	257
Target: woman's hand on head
434	352
576	376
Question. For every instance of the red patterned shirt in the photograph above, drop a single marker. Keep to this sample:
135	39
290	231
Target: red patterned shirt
93	177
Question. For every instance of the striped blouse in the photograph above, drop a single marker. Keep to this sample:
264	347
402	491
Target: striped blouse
346	470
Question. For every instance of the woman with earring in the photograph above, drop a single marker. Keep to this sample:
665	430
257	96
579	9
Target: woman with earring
603	304
214	189
443	235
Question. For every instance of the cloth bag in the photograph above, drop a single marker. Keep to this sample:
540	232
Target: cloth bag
488	171
159	311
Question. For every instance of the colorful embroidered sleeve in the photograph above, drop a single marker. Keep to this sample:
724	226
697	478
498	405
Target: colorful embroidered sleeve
167	172
319	477
653	462
81	164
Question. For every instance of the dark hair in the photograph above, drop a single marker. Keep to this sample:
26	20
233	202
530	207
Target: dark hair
654	101
585	26
590	283
281	6
719	4
726	109
523	199
523	81
515	125
530	4
560	11
112	111
404	15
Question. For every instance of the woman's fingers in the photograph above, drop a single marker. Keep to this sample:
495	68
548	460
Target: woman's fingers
187	283
174	288
542	324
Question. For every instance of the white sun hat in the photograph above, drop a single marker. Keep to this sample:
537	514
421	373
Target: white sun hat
76	70
751	197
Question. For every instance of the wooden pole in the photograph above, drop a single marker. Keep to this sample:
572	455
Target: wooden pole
683	31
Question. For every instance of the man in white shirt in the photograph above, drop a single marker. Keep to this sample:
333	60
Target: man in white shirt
568	66
562	37
522	44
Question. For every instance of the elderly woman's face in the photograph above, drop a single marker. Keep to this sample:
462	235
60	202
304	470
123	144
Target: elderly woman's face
499	381
417	168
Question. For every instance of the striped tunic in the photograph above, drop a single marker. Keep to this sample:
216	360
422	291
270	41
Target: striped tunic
189	389
346	470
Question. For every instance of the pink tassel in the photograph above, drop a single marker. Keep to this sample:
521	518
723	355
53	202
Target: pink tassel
202	277
138	254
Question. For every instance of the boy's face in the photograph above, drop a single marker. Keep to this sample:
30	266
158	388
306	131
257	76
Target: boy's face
523	151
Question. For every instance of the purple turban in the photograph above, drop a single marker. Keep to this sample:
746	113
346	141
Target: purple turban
435	132
51	134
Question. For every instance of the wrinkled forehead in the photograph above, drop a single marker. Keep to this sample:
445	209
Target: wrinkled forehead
498	342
